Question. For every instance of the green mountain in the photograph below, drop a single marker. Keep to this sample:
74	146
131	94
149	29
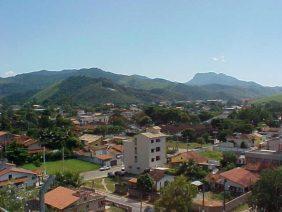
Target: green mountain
56	85
209	78
268	99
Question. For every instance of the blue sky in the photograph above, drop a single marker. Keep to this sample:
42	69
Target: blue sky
171	39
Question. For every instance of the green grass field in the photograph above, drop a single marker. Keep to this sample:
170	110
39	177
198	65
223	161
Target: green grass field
214	155
71	165
183	145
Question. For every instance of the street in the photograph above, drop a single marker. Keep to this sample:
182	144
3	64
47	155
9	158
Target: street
98	174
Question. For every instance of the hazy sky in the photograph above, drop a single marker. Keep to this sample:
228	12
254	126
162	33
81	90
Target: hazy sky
172	39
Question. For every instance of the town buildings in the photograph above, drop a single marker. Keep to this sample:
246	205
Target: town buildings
147	150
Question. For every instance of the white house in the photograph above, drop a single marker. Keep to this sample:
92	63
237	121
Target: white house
160	178
10	174
146	151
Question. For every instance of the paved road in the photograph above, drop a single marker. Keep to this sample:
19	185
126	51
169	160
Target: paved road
98	174
134	204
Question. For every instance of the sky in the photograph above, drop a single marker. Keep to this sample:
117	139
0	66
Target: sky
170	39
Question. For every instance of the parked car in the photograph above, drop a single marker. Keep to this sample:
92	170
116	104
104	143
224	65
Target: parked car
104	168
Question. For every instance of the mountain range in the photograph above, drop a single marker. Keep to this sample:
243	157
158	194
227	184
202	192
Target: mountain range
95	86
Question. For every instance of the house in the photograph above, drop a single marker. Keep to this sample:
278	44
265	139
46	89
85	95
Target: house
10	174
186	156
33	146
274	144
65	199
5	138
241	140
111	155
160	178
100	118
146	151
264	156
238	180
91	140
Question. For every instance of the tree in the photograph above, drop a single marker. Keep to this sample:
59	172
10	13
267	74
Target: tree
145	183
177	196
68	179
267	192
229	160
16	153
13	199
192	171
189	134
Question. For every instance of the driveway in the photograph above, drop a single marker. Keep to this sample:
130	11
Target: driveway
98	174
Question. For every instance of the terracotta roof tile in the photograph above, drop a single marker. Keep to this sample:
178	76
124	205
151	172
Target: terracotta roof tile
60	197
104	157
240	176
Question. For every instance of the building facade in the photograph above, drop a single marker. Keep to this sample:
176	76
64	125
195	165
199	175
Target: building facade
147	150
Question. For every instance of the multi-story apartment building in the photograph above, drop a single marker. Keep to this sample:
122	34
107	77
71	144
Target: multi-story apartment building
147	150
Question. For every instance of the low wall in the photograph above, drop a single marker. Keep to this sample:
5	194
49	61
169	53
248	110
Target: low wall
229	206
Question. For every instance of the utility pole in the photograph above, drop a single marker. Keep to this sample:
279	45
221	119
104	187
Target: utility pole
203	209
63	158
224	182
44	162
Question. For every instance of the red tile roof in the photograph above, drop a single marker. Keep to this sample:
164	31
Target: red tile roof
189	155
60	197
240	176
104	157
157	174
3	133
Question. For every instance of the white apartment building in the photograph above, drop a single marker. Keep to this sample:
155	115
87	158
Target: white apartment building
147	150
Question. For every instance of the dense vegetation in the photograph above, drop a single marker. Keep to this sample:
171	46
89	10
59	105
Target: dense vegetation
48	85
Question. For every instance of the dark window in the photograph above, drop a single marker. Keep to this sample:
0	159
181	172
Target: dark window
158	140
152	150
158	158
135	158
152	141
153	159
10	176
158	149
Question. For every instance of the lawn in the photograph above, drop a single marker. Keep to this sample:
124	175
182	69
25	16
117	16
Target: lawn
72	165
98	184
183	145
213	155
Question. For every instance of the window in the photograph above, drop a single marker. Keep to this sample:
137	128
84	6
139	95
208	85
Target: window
158	140
158	149
10	176
152	141
152	150
158	158
138	168
135	159
152	159
135	150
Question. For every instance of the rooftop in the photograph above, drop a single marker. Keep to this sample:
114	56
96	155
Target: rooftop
60	197
240	176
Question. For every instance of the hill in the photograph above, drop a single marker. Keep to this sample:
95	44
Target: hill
81	90
274	98
45	85
219	79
